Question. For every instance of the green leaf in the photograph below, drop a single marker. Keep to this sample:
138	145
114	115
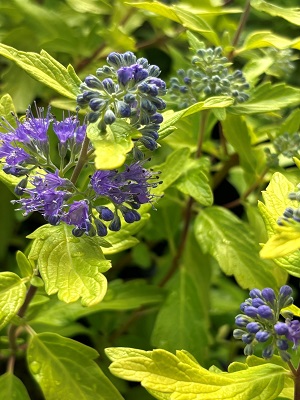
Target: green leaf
7	110
111	148
12	296
186	306
65	369
171	117
45	69
290	14
71	267
226	238
24	265
268	97
237	132
181	15
12	388
181	377
195	183
275	202
285	242
171	169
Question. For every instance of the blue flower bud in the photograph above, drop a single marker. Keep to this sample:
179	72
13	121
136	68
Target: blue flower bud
92	82
253	327
268	351
130	216
154	70
15	170
265	312
115	59
19	189
238	333
109	117
249	350
124	75
115	224
282	344
105	213
89	95
124	109
255	293
157	118
129	98
269	295
285	291
262	336
53	220
97	104
93	116
140	75
247	338
281	328
149	143
77	232
129	58
258	302
246	303
101	228
250	311
109	85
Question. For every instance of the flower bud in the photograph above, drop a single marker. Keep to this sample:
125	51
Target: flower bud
262	336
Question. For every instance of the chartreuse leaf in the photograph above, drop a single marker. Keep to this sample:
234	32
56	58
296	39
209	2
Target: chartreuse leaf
293	309
12	296
120	296
268	97
12	388
111	147
71	267
260	39
124	239
226	238
185	17
7	110
170	117
290	14
65	369
275	202
186	306
195	182
44	68
24	264
180	377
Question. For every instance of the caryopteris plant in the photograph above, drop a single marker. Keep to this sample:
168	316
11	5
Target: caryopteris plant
149	176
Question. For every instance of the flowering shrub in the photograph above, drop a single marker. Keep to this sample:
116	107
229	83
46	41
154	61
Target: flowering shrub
149	176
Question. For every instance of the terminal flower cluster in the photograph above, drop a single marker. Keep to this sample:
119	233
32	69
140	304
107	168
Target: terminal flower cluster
208	76
259	323
49	190
127	88
284	145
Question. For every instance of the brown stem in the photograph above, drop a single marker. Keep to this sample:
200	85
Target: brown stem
12	331
240	28
188	212
81	161
296	374
244	196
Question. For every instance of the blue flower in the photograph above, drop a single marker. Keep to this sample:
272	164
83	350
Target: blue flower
78	215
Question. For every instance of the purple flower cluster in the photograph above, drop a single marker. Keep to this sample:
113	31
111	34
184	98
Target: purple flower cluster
54	197
27	146
43	188
127	88
260	323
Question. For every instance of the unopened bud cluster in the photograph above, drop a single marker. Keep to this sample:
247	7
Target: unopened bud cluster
284	145
209	76
283	59
291	216
259	323
127	88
